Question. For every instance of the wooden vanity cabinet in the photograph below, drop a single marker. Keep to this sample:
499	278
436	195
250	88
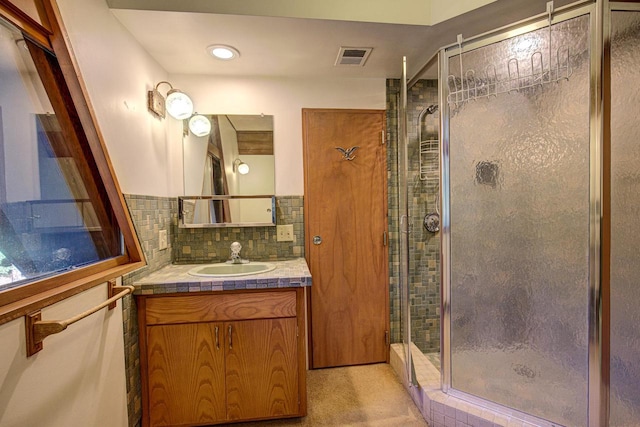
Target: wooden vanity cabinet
210	358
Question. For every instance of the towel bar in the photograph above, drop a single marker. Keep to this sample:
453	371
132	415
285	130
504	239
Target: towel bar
37	330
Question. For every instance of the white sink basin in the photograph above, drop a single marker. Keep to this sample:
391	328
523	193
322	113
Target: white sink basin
229	270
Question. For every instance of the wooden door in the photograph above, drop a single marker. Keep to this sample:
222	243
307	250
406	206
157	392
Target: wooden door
262	368
186	374
346	207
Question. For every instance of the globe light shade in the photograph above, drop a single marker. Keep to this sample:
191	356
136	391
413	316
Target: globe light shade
179	105
199	125
243	168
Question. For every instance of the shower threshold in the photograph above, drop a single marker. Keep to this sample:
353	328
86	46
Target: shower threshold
440	409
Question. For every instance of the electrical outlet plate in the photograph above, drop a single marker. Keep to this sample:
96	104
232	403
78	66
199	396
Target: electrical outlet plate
284	233
162	239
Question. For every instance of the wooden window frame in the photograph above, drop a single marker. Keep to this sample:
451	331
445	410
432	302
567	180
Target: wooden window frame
63	82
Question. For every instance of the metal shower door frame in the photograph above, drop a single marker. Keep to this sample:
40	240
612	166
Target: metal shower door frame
404	226
598	332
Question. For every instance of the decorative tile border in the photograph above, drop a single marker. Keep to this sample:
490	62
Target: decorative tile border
176	278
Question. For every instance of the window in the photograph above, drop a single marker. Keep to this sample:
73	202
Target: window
63	224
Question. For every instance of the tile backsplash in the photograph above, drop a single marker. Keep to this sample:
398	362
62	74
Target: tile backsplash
201	245
149	215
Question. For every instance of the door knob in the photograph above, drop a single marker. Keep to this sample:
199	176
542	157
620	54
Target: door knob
317	240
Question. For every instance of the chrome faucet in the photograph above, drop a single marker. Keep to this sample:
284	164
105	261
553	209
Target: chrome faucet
236	247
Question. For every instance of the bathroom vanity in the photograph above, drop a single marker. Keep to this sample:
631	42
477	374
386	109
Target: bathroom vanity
218	350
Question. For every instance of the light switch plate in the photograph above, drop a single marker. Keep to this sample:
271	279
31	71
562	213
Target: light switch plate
162	239
284	233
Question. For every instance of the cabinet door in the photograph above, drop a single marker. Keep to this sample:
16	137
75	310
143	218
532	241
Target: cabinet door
261	368
186	374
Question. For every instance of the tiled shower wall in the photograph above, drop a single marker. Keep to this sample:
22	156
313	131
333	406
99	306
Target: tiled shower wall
151	214
424	247
393	92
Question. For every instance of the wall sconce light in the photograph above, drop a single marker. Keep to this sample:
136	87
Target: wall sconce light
199	125
178	104
241	167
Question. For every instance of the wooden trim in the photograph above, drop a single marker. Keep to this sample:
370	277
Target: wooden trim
61	289
307	241
32	29
302	366
45	284
386	247
87	117
38	329
29	321
107	243
111	286
141	303
64	84
3	181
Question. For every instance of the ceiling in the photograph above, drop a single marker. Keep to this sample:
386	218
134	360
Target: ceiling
272	46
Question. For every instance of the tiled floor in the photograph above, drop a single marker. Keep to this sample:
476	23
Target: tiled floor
368	395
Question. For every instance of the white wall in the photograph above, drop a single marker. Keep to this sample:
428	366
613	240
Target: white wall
76	380
259	180
118	73
79	377
283	98
195	156
229	142
261	174
147	152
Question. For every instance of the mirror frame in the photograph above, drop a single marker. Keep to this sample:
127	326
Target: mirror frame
181	216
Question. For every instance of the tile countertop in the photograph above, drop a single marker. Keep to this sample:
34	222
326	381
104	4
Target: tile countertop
175	278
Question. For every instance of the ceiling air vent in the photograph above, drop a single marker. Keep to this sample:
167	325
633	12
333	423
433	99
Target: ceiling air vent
353	56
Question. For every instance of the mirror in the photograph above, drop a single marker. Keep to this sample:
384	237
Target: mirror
229	175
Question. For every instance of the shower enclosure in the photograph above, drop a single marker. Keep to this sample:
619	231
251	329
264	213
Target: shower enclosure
540	196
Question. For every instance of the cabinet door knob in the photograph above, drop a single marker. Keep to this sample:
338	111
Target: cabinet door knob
230	337
217	338
317	240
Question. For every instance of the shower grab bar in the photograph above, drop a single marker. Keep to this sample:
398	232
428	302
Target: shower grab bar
37	330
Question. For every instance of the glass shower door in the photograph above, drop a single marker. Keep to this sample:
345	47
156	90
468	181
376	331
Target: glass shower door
625	219
519	202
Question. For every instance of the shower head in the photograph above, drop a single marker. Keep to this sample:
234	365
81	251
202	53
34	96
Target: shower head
432	108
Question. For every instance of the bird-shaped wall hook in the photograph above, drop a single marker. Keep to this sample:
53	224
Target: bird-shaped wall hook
348	153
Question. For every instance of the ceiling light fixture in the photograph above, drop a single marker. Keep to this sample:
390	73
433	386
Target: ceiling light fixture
241	167
199	125
178	104
225	53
